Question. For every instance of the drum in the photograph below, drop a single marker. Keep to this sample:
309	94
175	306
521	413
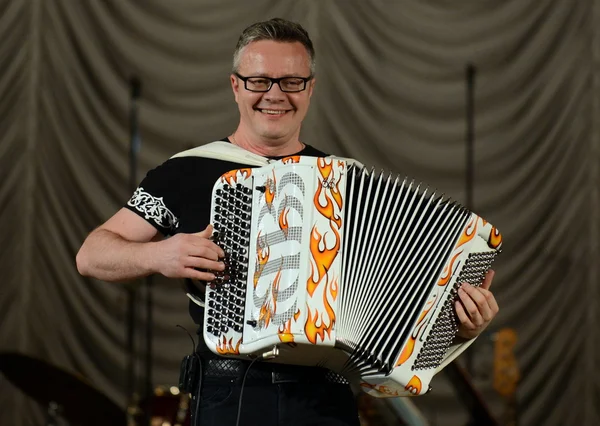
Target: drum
167	406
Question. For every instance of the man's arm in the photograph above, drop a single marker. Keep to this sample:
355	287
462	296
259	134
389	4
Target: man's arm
123	249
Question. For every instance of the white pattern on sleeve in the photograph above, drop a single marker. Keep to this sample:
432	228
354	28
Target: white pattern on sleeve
153	208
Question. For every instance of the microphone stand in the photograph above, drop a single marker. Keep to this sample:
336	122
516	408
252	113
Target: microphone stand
134	150
470	160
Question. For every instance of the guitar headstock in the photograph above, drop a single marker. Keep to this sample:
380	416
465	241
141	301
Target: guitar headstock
506	370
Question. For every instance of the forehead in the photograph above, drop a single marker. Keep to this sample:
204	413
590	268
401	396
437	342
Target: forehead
274	59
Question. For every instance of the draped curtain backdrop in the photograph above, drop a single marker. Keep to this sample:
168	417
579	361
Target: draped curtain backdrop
390	92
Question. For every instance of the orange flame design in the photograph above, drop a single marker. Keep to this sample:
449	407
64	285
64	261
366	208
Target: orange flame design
468	233
270	192
407	351
414	385
495	240
231	177
283	220
285	332
264	315
341	164
380	388
330	313
225	347
297	315
325	167
269	307
275	287
291	159
337	196
410	345
448	270
328	210
311	329
322	258
334	289
262	257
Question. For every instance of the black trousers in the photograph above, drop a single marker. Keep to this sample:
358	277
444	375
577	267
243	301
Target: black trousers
273	404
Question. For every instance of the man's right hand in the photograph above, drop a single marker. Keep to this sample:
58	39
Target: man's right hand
126	247
189	256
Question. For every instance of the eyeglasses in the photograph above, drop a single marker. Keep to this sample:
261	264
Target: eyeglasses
264	84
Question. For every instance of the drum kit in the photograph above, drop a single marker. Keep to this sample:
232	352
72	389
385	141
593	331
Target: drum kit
74	399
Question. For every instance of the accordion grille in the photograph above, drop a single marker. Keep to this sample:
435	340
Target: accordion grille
446	325
397	239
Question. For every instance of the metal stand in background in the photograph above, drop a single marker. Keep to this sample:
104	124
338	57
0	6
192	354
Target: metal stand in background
134	150
470	163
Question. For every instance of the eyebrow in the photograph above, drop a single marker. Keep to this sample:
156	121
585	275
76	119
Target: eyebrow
268	76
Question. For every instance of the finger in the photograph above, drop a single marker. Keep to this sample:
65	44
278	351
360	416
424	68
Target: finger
194	274
463	317
202	263
206	233
487	280
202	247
480	299
491	300
470	306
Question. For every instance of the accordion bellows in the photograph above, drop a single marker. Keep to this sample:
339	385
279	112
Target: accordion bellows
342	267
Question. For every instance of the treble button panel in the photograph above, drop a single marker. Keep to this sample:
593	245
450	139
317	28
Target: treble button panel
231	217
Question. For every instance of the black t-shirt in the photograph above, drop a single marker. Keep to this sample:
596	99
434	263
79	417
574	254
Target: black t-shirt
175	197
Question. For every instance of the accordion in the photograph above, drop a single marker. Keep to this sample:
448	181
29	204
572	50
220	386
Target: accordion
333	265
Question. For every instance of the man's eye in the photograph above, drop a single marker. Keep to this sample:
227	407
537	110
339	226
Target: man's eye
259	81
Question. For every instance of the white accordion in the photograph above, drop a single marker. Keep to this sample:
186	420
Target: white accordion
332	265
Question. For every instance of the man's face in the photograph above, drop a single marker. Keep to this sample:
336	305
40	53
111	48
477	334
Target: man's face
272	115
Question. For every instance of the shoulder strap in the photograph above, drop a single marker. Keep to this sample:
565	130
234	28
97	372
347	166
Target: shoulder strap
225	151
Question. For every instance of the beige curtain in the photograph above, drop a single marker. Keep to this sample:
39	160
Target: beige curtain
390	92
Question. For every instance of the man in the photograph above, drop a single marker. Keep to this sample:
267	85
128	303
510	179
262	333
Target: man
272	82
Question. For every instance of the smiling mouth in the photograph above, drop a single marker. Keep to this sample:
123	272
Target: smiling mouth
273	112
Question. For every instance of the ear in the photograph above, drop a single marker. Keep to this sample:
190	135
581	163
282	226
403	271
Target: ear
311	85
235	86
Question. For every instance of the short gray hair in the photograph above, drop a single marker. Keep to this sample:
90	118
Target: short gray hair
276	29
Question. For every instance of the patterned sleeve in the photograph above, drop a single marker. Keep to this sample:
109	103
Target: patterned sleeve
157	198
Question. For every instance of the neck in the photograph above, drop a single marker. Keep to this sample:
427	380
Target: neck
266	147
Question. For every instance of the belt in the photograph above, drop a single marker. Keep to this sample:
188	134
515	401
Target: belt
233	370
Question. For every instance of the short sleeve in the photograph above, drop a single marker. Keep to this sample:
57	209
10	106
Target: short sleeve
157	198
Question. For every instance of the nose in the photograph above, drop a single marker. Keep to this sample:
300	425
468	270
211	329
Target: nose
275	94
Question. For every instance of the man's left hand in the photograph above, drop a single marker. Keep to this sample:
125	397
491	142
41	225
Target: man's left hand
476	307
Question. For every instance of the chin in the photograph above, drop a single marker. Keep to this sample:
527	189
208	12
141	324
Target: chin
270	133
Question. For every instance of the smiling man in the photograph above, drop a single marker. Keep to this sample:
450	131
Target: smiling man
272	82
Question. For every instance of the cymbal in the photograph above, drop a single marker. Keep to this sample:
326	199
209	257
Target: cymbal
80	402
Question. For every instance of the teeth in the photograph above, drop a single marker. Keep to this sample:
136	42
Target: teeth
272	111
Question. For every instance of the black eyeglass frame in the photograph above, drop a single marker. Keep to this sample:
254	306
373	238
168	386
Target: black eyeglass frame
273	81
